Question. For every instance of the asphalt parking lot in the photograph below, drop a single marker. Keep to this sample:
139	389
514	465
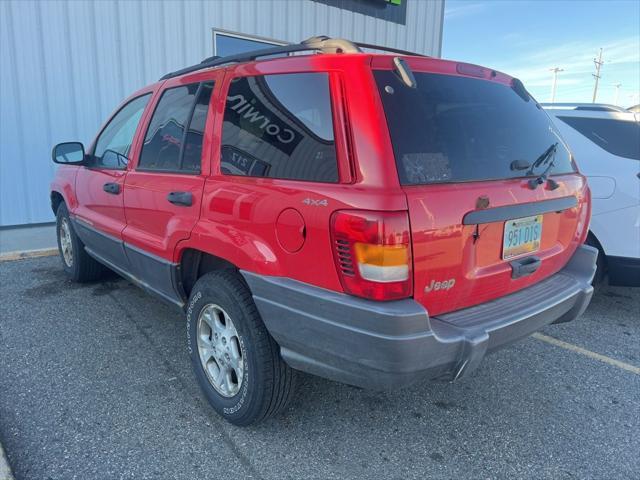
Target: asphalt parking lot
95	382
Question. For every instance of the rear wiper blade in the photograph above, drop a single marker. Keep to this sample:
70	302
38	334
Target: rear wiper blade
543	157
524	165
550	156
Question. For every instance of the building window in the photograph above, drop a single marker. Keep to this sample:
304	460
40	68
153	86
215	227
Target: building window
390	10
227	43
280	126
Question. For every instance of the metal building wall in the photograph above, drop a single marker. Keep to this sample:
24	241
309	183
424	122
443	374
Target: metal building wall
65	65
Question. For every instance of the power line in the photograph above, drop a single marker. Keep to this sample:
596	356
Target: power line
617	87
598	62
555	71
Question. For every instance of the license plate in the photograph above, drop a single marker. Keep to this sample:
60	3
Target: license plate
521	236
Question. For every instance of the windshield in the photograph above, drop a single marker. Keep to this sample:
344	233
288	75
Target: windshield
459	129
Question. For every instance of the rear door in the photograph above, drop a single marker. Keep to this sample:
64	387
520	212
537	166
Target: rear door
468	150
99	217
282	160
163	191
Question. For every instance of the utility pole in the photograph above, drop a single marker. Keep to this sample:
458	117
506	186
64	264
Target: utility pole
617	87
598	62
555	71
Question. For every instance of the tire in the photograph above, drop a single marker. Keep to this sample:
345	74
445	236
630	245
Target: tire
259	384
75	260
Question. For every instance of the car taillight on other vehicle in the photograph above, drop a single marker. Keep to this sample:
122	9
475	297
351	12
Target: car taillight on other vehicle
372	251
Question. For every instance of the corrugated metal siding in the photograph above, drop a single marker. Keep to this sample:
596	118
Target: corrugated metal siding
66	64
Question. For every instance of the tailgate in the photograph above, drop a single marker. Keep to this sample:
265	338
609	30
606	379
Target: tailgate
495	200
459	263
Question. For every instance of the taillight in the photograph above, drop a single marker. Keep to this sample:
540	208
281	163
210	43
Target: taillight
372	251
584	215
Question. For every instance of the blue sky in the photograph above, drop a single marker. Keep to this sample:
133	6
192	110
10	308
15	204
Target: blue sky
527	38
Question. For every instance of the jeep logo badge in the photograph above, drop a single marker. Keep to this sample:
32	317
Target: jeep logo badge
443	285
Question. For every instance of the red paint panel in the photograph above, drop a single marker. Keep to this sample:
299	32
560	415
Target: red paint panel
290	230
153	223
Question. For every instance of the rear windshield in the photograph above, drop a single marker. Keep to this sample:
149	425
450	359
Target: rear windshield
618	137
460	129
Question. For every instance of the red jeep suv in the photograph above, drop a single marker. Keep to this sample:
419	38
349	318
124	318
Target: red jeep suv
374	219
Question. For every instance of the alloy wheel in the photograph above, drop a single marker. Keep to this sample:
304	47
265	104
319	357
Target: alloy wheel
66	246
220	350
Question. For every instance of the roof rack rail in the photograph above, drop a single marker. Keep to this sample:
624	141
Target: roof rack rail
389	49
320	43
324	44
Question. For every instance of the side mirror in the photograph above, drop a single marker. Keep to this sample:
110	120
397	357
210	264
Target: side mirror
68	153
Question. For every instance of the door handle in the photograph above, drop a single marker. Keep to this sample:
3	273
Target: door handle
525	266
183	199
113	188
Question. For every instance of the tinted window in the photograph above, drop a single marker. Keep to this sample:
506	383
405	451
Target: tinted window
615	136
456	129
174	140
280	126
193	143
113	144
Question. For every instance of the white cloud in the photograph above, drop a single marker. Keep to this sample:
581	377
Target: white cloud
463	10
574	57
575	83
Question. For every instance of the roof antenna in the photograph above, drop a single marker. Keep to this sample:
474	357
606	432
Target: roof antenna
404	72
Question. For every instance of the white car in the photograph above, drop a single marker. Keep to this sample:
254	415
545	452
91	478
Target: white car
605	141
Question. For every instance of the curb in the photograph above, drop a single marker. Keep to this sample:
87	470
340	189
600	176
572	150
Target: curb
5	469
42	252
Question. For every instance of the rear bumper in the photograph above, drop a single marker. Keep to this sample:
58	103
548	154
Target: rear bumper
384	345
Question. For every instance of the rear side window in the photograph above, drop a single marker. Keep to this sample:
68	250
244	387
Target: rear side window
279	126
459	129
615	136
173	141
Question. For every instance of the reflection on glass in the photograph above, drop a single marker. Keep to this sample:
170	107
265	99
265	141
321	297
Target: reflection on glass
280	126
161	149
455	129
117	136
69	152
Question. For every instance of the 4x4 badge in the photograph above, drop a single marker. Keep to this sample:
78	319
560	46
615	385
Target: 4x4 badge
312	202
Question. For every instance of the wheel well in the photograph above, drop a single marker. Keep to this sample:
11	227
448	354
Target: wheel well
56	200
593	241
195	264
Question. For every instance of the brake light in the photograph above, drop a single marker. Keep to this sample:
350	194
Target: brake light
471	70
372	251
